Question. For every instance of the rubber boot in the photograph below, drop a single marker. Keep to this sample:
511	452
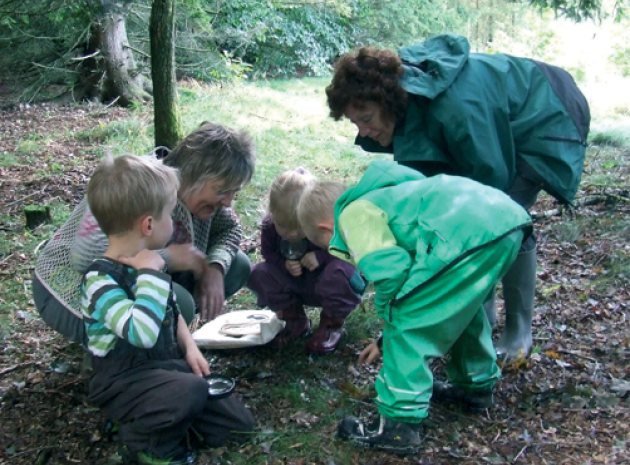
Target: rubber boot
519	287
327	336
297	325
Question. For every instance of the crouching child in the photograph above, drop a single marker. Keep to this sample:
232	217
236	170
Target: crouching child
148	372
434	248
295	272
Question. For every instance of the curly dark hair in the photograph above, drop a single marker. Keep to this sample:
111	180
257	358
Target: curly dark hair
368	74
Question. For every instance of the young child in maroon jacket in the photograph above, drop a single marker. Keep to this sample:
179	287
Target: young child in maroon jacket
295	272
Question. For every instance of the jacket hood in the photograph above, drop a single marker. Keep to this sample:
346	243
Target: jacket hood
379	174
430	67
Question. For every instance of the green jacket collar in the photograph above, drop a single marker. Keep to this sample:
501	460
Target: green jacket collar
430	67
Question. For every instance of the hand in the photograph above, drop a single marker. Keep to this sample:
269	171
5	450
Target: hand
193	356
185	257
293	267
210	292
309	261
144	259
370	354
196	361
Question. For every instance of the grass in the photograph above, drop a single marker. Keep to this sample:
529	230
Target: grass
289	124
290	127
15	291
287	120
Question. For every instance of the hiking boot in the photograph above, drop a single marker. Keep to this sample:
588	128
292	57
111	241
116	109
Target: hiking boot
389	435
473	401
327	336
297	325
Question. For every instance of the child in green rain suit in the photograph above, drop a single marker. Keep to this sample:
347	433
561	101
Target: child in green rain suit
434	248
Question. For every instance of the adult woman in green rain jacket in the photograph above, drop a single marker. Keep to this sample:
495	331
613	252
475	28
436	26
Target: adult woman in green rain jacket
511	123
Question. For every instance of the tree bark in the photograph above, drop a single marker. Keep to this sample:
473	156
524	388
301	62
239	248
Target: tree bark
168	130
123	80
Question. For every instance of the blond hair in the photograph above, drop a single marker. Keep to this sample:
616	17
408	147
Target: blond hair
123	189
317	204
284	195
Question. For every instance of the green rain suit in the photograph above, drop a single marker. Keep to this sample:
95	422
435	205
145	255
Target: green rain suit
489	117
434	248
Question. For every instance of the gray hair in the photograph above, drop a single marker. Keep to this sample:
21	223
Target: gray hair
213	152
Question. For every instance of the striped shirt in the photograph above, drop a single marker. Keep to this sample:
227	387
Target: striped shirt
109	313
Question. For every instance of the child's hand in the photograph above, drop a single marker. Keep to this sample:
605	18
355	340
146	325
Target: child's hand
197	362
144	259
293	267
370	354
309	261
194	358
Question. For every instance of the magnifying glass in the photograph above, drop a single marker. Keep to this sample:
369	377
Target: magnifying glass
219	386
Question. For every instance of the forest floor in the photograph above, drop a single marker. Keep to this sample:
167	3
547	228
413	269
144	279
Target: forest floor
568	403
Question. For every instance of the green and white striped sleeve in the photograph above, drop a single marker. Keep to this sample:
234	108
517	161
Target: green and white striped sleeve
110	310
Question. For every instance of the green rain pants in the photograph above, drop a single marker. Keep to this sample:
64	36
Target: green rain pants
444	316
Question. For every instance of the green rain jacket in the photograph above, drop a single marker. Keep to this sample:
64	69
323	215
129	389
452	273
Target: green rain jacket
488	117
403	229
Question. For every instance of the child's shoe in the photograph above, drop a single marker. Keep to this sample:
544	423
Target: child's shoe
391	436
327	336
471	400
297	325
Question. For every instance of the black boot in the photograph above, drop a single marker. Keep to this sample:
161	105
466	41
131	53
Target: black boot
388	435
473	401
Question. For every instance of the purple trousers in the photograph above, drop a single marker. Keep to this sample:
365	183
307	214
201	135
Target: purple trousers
327	287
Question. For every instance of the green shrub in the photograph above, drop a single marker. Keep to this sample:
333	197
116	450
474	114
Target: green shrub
616	137
284	41
621	59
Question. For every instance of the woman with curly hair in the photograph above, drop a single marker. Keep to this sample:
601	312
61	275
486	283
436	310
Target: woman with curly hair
512	123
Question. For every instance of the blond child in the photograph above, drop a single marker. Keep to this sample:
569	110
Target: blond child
297	273
434	249
148	372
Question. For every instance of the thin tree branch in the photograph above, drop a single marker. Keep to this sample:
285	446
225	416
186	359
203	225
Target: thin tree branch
86	57
15	367
592	200
54	68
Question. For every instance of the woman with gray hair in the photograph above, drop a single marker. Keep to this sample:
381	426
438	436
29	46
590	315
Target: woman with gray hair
203	255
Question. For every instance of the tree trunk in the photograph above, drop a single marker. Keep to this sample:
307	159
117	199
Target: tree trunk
91	72
123	81
168	131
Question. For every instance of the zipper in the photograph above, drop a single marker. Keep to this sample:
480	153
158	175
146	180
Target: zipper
564	139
